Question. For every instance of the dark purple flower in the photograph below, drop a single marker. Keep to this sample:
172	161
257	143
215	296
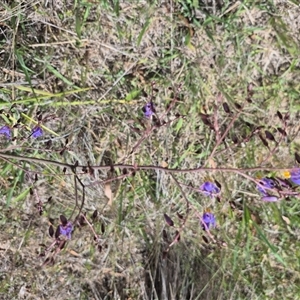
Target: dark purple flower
37	132
66	230
6	131
209	189
208	220
268	183
149	110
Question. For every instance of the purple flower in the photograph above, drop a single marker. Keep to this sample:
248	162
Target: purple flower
208	220
295	176
268	183
6	131
66	230
209	189
37	132
148	110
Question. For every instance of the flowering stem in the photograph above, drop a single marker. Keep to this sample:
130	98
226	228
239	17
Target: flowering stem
240	171
187	211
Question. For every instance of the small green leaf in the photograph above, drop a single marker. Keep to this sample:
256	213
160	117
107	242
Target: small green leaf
144	29
179	125
247	216
21	196
60	76
78	24
132	95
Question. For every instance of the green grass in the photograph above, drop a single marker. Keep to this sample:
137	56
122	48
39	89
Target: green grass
94	64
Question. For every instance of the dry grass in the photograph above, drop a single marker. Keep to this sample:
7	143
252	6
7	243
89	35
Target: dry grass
117	50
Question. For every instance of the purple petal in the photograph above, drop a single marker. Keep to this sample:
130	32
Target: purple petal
295	176
37	132
209	188
66	230
295	180
6	131
148	109
268	183
208	220
269	198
